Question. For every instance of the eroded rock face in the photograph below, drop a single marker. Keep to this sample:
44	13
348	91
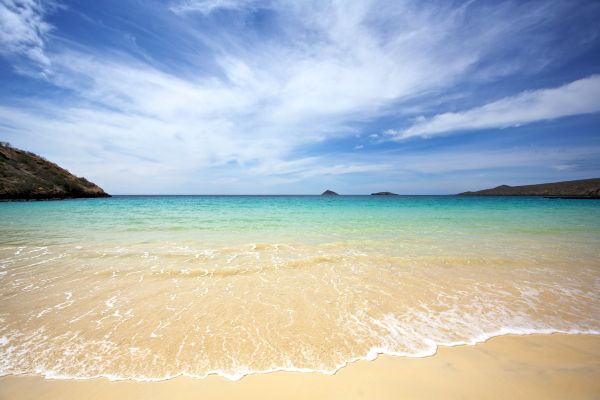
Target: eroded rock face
329	193
27	176
589	188
384	194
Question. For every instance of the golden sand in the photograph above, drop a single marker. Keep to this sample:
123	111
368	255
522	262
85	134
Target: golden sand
508	367
150	314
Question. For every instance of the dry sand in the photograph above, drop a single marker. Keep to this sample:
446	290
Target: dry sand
517	367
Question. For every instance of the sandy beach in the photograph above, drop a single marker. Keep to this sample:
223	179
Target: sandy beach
521	367
128	290
246	199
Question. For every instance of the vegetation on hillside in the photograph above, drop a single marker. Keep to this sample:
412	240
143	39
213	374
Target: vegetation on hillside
579	188
27	176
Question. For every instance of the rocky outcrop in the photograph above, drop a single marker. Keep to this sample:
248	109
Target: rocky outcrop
27	176
384	194
583	188
329	193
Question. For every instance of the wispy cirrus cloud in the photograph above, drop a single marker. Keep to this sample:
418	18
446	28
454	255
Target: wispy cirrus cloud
208	6
284	78
575	98
23	29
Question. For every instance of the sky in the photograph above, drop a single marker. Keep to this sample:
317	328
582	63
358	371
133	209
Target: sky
295	97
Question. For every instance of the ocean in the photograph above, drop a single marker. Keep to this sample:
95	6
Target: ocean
153	287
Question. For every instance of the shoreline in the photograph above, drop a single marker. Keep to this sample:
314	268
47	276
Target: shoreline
553	365
372	355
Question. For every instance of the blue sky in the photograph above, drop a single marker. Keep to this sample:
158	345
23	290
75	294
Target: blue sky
244	96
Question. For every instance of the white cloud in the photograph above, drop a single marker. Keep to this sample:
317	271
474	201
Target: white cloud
578	97
23	29
134	127
208	6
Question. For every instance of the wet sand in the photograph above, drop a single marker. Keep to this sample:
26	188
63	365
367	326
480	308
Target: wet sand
520	367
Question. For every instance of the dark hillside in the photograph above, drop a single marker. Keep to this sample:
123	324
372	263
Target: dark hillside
27	176
583	188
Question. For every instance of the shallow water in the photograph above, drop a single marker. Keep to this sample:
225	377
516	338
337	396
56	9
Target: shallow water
155	287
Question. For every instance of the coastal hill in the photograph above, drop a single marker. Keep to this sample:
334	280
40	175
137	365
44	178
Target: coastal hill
583	188
329	193
27	176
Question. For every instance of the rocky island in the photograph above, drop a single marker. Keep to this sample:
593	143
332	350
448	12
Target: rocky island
27	176
384	194
329	193
582	189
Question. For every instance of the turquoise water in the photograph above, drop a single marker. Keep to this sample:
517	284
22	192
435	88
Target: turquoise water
136	287
315	219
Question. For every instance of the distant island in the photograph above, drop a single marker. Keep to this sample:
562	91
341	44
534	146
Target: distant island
583	188
27	176
329	193
384	194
